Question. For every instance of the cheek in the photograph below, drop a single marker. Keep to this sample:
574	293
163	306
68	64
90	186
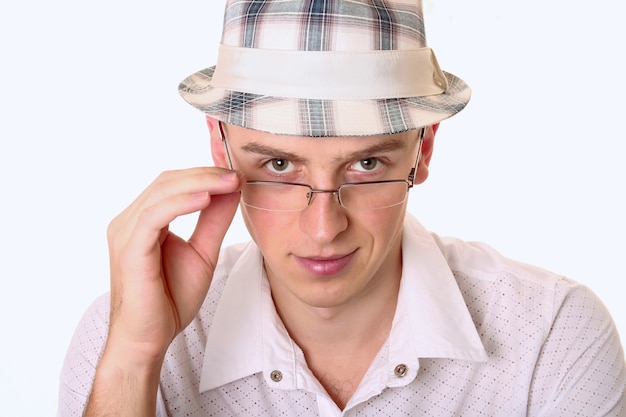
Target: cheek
384	218
386	225
266	228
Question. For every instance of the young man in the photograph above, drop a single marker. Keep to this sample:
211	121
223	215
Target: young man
323	116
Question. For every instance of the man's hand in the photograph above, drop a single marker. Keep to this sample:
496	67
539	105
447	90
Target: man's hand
158	280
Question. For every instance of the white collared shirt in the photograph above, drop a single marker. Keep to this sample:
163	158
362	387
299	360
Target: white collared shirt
474	334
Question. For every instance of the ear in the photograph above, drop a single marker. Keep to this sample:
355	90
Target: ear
217	146
428	145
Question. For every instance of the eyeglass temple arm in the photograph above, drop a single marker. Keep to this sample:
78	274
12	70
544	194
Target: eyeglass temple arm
223	137
411	177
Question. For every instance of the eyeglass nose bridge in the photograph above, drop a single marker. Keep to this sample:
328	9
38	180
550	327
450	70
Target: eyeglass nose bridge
312	192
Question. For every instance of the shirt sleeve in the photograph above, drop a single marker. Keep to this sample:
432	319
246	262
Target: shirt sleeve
81	359
581	368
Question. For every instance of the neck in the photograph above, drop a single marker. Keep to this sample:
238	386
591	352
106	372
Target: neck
345	327
342	328
340	342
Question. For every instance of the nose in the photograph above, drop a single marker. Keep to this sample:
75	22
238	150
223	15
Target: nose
324	218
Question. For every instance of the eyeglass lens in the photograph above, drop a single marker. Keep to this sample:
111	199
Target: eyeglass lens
294	197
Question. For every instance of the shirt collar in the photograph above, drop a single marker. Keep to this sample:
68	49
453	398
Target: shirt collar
431	302
431	320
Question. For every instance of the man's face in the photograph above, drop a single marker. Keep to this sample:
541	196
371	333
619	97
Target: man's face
325	255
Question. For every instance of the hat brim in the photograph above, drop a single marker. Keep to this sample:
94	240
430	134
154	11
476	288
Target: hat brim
322	118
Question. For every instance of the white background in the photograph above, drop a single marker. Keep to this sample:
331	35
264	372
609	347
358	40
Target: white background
90	114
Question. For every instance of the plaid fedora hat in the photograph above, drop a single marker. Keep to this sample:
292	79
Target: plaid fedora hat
325	68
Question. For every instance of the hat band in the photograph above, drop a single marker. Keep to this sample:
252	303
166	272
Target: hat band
330	75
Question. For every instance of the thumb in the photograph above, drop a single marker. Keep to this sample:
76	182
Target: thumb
213	222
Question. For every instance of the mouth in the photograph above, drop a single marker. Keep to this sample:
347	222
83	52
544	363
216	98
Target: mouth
327	265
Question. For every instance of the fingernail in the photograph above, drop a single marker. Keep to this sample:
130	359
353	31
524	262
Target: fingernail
232	175
229	176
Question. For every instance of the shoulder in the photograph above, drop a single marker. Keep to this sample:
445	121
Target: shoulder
477	264
94	326
482	262
83	354
530	315
498	288
542	305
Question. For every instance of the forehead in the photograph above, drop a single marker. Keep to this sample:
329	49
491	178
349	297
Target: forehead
261	142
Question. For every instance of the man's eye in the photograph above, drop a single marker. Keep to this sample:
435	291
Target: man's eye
367	164
279	165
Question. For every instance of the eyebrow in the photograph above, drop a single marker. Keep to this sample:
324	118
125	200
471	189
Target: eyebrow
389	145
260	149
382	147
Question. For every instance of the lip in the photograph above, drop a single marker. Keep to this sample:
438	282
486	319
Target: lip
325	265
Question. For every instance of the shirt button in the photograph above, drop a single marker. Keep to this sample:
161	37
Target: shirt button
276	376
400	370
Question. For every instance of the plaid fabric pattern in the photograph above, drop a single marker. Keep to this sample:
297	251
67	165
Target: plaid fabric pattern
323	25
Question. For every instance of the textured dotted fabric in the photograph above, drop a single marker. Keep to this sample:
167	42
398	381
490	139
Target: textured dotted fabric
552	349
